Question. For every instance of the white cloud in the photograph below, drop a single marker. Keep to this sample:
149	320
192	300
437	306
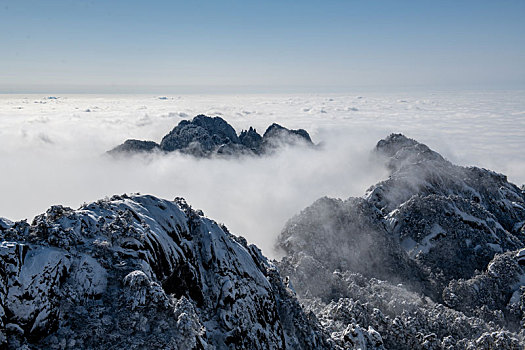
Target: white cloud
53	152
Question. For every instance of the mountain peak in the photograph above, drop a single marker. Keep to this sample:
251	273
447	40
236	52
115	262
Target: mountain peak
401	150
147	267
205	136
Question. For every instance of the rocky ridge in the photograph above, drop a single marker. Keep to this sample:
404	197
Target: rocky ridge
205	136
427	258
140	272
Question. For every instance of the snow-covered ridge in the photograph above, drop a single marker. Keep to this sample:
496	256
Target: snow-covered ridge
142	272
446	234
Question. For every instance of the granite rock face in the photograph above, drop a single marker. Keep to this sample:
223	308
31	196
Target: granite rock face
206	136
429	258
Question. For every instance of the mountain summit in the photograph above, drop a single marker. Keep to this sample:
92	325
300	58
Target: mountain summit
142	272
429	257
206	136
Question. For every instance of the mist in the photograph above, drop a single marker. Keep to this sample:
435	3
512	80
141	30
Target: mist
53	150
252	196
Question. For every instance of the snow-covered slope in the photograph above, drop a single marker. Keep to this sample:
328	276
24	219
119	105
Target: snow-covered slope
430	251
141	272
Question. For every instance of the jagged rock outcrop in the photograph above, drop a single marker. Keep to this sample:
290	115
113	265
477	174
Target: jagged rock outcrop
447	236
276	135
135	146
250	138
200	136
141	272
205	136
419	170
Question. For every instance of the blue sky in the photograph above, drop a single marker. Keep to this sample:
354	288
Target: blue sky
142	46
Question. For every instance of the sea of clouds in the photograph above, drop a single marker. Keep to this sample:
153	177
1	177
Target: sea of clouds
52	149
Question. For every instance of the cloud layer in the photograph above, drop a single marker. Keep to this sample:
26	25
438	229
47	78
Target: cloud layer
51	150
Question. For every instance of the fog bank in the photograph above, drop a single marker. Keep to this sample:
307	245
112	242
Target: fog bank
52	150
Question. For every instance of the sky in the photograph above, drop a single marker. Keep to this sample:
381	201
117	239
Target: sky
259	46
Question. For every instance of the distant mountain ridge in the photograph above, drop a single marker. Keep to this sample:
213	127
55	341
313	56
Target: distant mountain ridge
205	136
